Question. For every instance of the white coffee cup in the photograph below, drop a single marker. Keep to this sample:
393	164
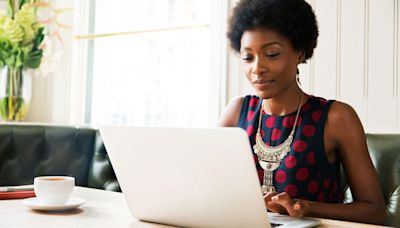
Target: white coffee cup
54	190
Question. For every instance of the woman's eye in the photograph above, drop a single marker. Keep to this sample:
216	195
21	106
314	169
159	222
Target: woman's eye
246	58
272	55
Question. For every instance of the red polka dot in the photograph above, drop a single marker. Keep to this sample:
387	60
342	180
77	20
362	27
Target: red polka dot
327	182
299	146
335	186
280	176
250	115
309	130
276	134
299	121
250	130
302	174
288	121
311	158
316	115
262	136
321	197
270	122
306	107
253	102
290	161
291	190
312	187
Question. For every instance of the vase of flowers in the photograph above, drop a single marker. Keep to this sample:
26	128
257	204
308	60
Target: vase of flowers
21	37
15	93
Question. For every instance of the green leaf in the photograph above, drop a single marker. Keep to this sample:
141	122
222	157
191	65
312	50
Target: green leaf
33	59
10	10
10	61
5	45
38	39
21	3
5	50
19	58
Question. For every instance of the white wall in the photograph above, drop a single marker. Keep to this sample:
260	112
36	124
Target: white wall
59	97
356	61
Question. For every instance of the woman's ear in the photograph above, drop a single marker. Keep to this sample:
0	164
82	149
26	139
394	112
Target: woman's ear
302	55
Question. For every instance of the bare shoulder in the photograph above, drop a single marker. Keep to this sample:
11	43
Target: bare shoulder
343	124
341	113
230	116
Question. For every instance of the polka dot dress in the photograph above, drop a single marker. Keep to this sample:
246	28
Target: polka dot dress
304	172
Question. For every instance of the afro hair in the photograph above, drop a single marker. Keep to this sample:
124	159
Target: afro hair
293	19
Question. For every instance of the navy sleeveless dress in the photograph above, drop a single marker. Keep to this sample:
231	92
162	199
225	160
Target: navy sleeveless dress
304	172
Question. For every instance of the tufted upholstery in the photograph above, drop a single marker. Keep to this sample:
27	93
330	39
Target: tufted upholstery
27	151
385	154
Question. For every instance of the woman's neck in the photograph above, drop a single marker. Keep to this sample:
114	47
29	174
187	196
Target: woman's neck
285	103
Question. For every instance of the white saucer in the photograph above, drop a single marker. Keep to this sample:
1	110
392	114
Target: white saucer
35	204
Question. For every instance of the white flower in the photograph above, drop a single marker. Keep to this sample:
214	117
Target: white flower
51	56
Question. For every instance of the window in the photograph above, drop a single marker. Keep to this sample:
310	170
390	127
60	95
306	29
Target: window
161	71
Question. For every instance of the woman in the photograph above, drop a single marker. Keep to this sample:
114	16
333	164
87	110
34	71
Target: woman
299	140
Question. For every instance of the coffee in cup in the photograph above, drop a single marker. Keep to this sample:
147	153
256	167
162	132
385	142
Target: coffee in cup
53	190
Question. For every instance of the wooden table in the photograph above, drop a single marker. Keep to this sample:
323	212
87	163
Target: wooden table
102	209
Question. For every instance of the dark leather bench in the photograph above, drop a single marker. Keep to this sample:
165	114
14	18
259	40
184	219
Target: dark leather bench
27	151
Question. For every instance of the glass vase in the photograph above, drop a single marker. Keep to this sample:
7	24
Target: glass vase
15	93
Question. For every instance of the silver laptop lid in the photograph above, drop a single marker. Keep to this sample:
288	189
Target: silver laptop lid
192	177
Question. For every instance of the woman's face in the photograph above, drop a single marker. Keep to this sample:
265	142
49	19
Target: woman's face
269	61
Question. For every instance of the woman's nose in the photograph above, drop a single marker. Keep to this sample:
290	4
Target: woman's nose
258	67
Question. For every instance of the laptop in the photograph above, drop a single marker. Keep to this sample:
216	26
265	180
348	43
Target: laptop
190	177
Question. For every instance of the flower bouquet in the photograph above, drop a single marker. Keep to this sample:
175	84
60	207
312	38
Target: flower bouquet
25	43
21	37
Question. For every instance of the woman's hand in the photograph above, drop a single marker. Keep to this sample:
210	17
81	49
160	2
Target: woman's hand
282	203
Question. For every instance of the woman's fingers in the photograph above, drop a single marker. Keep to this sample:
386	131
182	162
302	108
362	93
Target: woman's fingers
299	209
271	205
296	208
284	200
269	195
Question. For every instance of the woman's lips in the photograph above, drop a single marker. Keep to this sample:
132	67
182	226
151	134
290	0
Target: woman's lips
263	84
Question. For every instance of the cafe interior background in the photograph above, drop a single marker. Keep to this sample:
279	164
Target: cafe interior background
167	62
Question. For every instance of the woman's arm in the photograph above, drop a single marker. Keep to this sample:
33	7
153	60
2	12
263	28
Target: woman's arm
348	134
230	116
345	131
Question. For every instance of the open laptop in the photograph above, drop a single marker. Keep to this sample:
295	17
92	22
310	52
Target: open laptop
190	177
